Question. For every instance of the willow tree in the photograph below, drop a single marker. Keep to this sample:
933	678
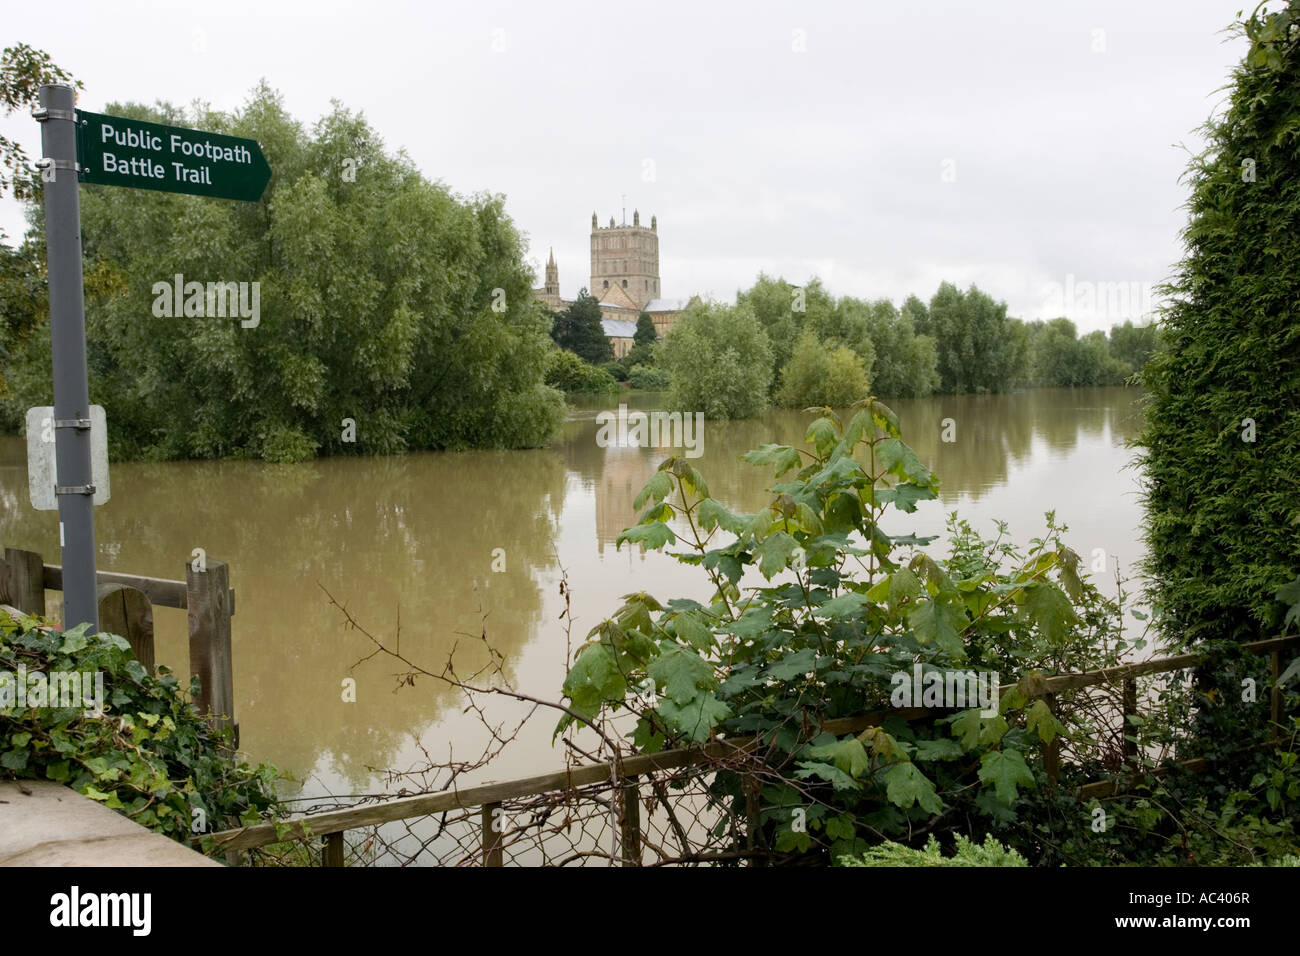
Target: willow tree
393	314
1221	444
719	361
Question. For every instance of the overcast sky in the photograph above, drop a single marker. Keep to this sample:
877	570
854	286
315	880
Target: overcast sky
794	138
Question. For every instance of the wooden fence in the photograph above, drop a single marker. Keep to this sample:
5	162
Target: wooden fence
126	603
627	774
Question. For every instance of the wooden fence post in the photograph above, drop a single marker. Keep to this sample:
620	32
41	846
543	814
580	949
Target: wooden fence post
26	581
126	612
631	822
492	837
1130	709
753	817
208	603
1275	708
1052	752
332	853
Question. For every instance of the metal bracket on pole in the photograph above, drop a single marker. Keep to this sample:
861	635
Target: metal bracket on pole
74	489
47	163
43	113
72	423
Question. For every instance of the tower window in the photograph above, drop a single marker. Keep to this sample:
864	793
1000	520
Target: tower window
605	284
624	283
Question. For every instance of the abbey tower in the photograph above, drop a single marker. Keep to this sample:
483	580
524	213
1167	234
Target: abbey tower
624	279
627	258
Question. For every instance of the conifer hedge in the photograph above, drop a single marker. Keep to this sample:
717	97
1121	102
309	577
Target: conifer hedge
1221	444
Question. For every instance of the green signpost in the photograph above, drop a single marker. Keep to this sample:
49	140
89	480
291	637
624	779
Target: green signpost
115	151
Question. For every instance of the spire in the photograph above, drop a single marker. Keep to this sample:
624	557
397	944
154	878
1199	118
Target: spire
593	221
636	217
654	223
552	276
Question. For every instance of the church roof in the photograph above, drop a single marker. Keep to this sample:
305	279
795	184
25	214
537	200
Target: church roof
618	329
617	297
666	305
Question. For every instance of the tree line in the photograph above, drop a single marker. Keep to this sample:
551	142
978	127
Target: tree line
800	346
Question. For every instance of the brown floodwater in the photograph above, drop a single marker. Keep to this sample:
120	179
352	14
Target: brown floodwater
410	542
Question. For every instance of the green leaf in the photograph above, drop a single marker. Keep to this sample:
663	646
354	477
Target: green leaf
713	514
976	730
695	719
646	739
841	827
750	625
1040	719
74	640
936	621
14	759
681	672
1046	605
828	772
774	552
793	665
1005	769
652	536
845	605
656	489
898	459
693	631
905	496
848	755
938	748
781	457
1289	594
906	785
593	679
904	586
822	436
790	841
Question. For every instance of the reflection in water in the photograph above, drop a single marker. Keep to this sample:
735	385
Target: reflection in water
993	435
414	536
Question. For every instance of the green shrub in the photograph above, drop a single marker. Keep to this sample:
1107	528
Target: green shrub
827	634
617	370
150	756
644	377
817	376
844	610
966	853
569	373
719	360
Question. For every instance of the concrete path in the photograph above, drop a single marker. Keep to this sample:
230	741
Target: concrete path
50	825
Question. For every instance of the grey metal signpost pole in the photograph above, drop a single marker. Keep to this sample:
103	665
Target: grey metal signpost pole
68	334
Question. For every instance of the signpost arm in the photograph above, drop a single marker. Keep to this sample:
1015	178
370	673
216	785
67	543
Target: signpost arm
68	334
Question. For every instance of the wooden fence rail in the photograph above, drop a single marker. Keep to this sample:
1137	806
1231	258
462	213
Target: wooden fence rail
126	603
489	797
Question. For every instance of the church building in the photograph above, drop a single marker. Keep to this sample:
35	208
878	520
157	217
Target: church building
624	278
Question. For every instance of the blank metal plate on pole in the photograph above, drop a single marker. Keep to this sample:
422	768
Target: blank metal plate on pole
40	456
